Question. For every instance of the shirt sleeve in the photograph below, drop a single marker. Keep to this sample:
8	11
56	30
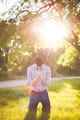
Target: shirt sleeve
48	76
29	77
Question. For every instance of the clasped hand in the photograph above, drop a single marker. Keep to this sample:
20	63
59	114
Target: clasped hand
39	76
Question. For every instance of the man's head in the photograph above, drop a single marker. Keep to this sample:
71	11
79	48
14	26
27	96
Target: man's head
38	60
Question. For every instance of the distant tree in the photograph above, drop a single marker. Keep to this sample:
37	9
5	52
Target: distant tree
13	44
70	59
2	62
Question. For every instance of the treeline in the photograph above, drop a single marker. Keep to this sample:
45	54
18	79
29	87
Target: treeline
51	57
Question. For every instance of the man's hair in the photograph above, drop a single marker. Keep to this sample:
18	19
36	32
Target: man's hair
39	60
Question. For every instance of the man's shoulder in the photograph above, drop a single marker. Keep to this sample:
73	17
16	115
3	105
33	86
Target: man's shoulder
31	67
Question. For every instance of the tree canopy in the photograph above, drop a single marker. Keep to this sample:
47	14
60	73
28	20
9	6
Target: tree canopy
26	12
17	36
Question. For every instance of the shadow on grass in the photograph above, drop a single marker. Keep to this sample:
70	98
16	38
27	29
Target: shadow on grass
12	94
57	85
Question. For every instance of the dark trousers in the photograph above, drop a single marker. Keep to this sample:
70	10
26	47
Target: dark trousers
35	98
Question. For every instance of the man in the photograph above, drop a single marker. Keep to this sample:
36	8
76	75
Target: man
38	77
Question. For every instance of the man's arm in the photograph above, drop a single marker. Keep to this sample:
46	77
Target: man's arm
29	78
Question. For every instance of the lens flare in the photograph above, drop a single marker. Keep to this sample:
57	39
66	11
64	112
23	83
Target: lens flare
53	32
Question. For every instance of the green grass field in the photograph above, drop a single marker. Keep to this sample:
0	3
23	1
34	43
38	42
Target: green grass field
64	97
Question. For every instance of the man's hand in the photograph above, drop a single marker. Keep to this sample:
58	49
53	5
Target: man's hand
42	80
38	75
34	82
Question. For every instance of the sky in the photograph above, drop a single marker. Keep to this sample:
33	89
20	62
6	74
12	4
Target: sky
5	5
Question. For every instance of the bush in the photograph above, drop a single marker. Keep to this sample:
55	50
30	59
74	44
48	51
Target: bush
6	76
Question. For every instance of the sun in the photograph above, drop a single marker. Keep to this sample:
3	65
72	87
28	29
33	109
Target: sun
50	32
53	32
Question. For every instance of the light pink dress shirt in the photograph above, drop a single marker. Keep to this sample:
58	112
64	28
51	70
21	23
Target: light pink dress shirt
31	75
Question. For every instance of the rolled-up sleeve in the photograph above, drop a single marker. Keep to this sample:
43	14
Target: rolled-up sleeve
48	76
29	77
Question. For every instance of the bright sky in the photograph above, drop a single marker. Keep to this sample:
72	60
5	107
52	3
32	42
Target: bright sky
5	5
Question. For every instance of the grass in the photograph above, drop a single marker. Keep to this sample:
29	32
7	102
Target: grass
64	97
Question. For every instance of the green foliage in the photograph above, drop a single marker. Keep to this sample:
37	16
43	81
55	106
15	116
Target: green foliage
71	59
2	64
13	45
7	30
5	76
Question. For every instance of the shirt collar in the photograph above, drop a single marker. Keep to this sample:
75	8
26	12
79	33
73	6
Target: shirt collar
36	66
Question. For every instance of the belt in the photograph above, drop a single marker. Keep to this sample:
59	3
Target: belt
38	93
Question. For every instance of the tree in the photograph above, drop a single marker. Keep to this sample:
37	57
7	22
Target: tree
18	24
13	44
65	9
69	60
